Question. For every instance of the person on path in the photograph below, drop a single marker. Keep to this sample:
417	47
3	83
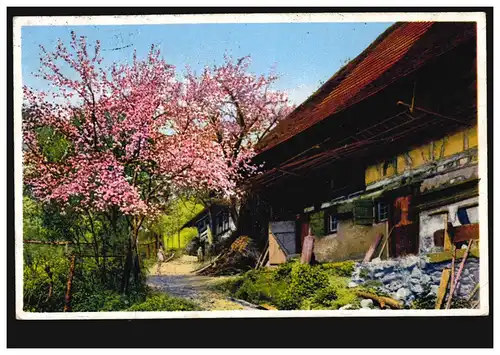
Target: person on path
160	258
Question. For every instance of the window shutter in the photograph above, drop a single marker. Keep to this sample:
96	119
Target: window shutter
345	208
363	212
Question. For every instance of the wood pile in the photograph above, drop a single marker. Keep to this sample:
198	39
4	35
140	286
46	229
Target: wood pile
241	256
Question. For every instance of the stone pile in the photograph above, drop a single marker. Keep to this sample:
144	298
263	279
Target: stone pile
411	277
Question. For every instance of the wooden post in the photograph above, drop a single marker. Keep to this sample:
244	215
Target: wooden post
457	277
307	250
373	247
443	285
67	298
452	279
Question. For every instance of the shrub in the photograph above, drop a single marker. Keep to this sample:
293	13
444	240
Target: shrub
306	279
324	298
230	285
296	286
257	286
163	302
342	269
283	271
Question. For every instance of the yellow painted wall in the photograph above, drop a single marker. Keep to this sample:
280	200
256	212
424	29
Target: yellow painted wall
432	151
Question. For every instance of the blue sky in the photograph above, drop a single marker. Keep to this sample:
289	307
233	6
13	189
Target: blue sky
304	54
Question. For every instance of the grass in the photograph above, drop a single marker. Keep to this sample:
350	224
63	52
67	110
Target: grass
296	286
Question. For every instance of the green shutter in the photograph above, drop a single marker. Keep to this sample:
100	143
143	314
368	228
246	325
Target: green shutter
345	208
363	212
317	224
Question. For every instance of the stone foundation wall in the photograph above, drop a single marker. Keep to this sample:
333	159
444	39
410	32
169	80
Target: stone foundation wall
410	277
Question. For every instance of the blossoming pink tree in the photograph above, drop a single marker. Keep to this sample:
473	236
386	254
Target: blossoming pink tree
238	109
130	144
134	136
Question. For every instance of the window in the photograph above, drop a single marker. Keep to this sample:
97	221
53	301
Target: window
202	224
332	224
222	222
392	162
382	211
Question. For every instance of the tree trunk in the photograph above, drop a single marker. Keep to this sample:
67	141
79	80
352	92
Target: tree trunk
67	298
126	270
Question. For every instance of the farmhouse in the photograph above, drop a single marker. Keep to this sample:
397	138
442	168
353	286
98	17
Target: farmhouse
383	155
213	223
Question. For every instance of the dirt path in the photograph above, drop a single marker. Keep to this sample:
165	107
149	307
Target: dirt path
176	279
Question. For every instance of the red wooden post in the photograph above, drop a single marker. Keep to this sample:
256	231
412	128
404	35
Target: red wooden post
307	250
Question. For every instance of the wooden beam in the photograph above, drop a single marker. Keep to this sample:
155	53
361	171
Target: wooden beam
455	282
443	285
373	247
382	301
447	255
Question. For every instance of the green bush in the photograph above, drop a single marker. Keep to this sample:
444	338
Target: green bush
342	269
297	286
324	298
306	279
163	302
257	287
230	285
302	282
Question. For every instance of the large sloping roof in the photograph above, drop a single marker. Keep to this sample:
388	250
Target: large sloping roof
359	79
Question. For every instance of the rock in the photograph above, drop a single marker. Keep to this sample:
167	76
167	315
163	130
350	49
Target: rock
416	273
417	289
436	277
347	306
434	289
352	284
425	279
409	261
378	275
390	277
366	303
402	293
395	285
376	261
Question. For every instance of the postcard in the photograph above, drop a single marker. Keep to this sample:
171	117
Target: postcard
251	165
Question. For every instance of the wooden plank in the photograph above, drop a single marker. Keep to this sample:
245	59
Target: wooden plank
373	247
448	255
455	281
207	266
307	250
460	234
264	258
452	277
263	254
466	232
276	254
385	244
443	285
